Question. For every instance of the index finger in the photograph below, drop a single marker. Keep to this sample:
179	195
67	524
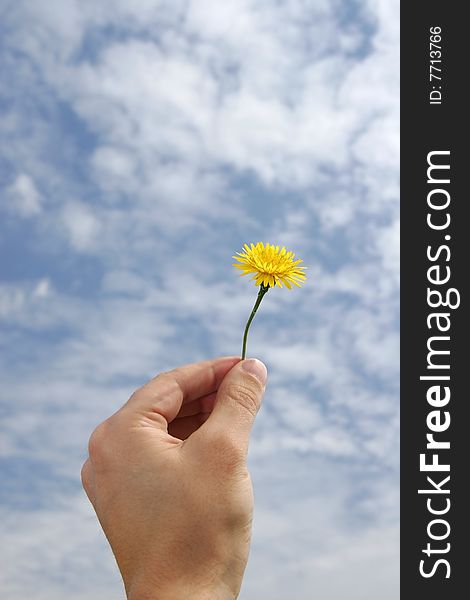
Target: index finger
165	393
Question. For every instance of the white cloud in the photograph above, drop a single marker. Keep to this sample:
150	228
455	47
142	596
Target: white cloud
322	551
197	93
81	226
23	197
113	165
21	303
388	245
42	289
11	300
46	547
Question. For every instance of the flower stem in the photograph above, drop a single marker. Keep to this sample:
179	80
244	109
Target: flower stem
262	291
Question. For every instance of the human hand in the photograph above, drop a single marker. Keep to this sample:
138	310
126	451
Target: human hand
167	477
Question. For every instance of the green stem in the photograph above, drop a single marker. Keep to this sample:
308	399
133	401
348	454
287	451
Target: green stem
261	293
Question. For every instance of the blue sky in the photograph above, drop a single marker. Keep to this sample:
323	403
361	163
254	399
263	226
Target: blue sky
142	144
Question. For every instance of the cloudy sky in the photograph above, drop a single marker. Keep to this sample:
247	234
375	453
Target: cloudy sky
142	143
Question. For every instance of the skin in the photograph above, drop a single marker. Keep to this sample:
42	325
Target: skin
167	477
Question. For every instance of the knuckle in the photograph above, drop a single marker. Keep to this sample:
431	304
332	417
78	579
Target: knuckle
239	513
99	441
245	396
226	450
164	383
140	392
86	475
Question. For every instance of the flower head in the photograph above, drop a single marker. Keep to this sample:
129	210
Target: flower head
271	265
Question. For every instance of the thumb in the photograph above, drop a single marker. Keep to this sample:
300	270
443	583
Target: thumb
236	406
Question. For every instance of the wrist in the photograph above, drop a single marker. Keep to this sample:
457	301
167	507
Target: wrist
219	579
181	594
148	590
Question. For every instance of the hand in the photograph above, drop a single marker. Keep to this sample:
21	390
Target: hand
168	480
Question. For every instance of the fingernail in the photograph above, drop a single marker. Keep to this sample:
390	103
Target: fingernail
256	368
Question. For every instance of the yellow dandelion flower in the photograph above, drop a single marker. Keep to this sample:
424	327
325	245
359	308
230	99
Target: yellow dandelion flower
270	266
